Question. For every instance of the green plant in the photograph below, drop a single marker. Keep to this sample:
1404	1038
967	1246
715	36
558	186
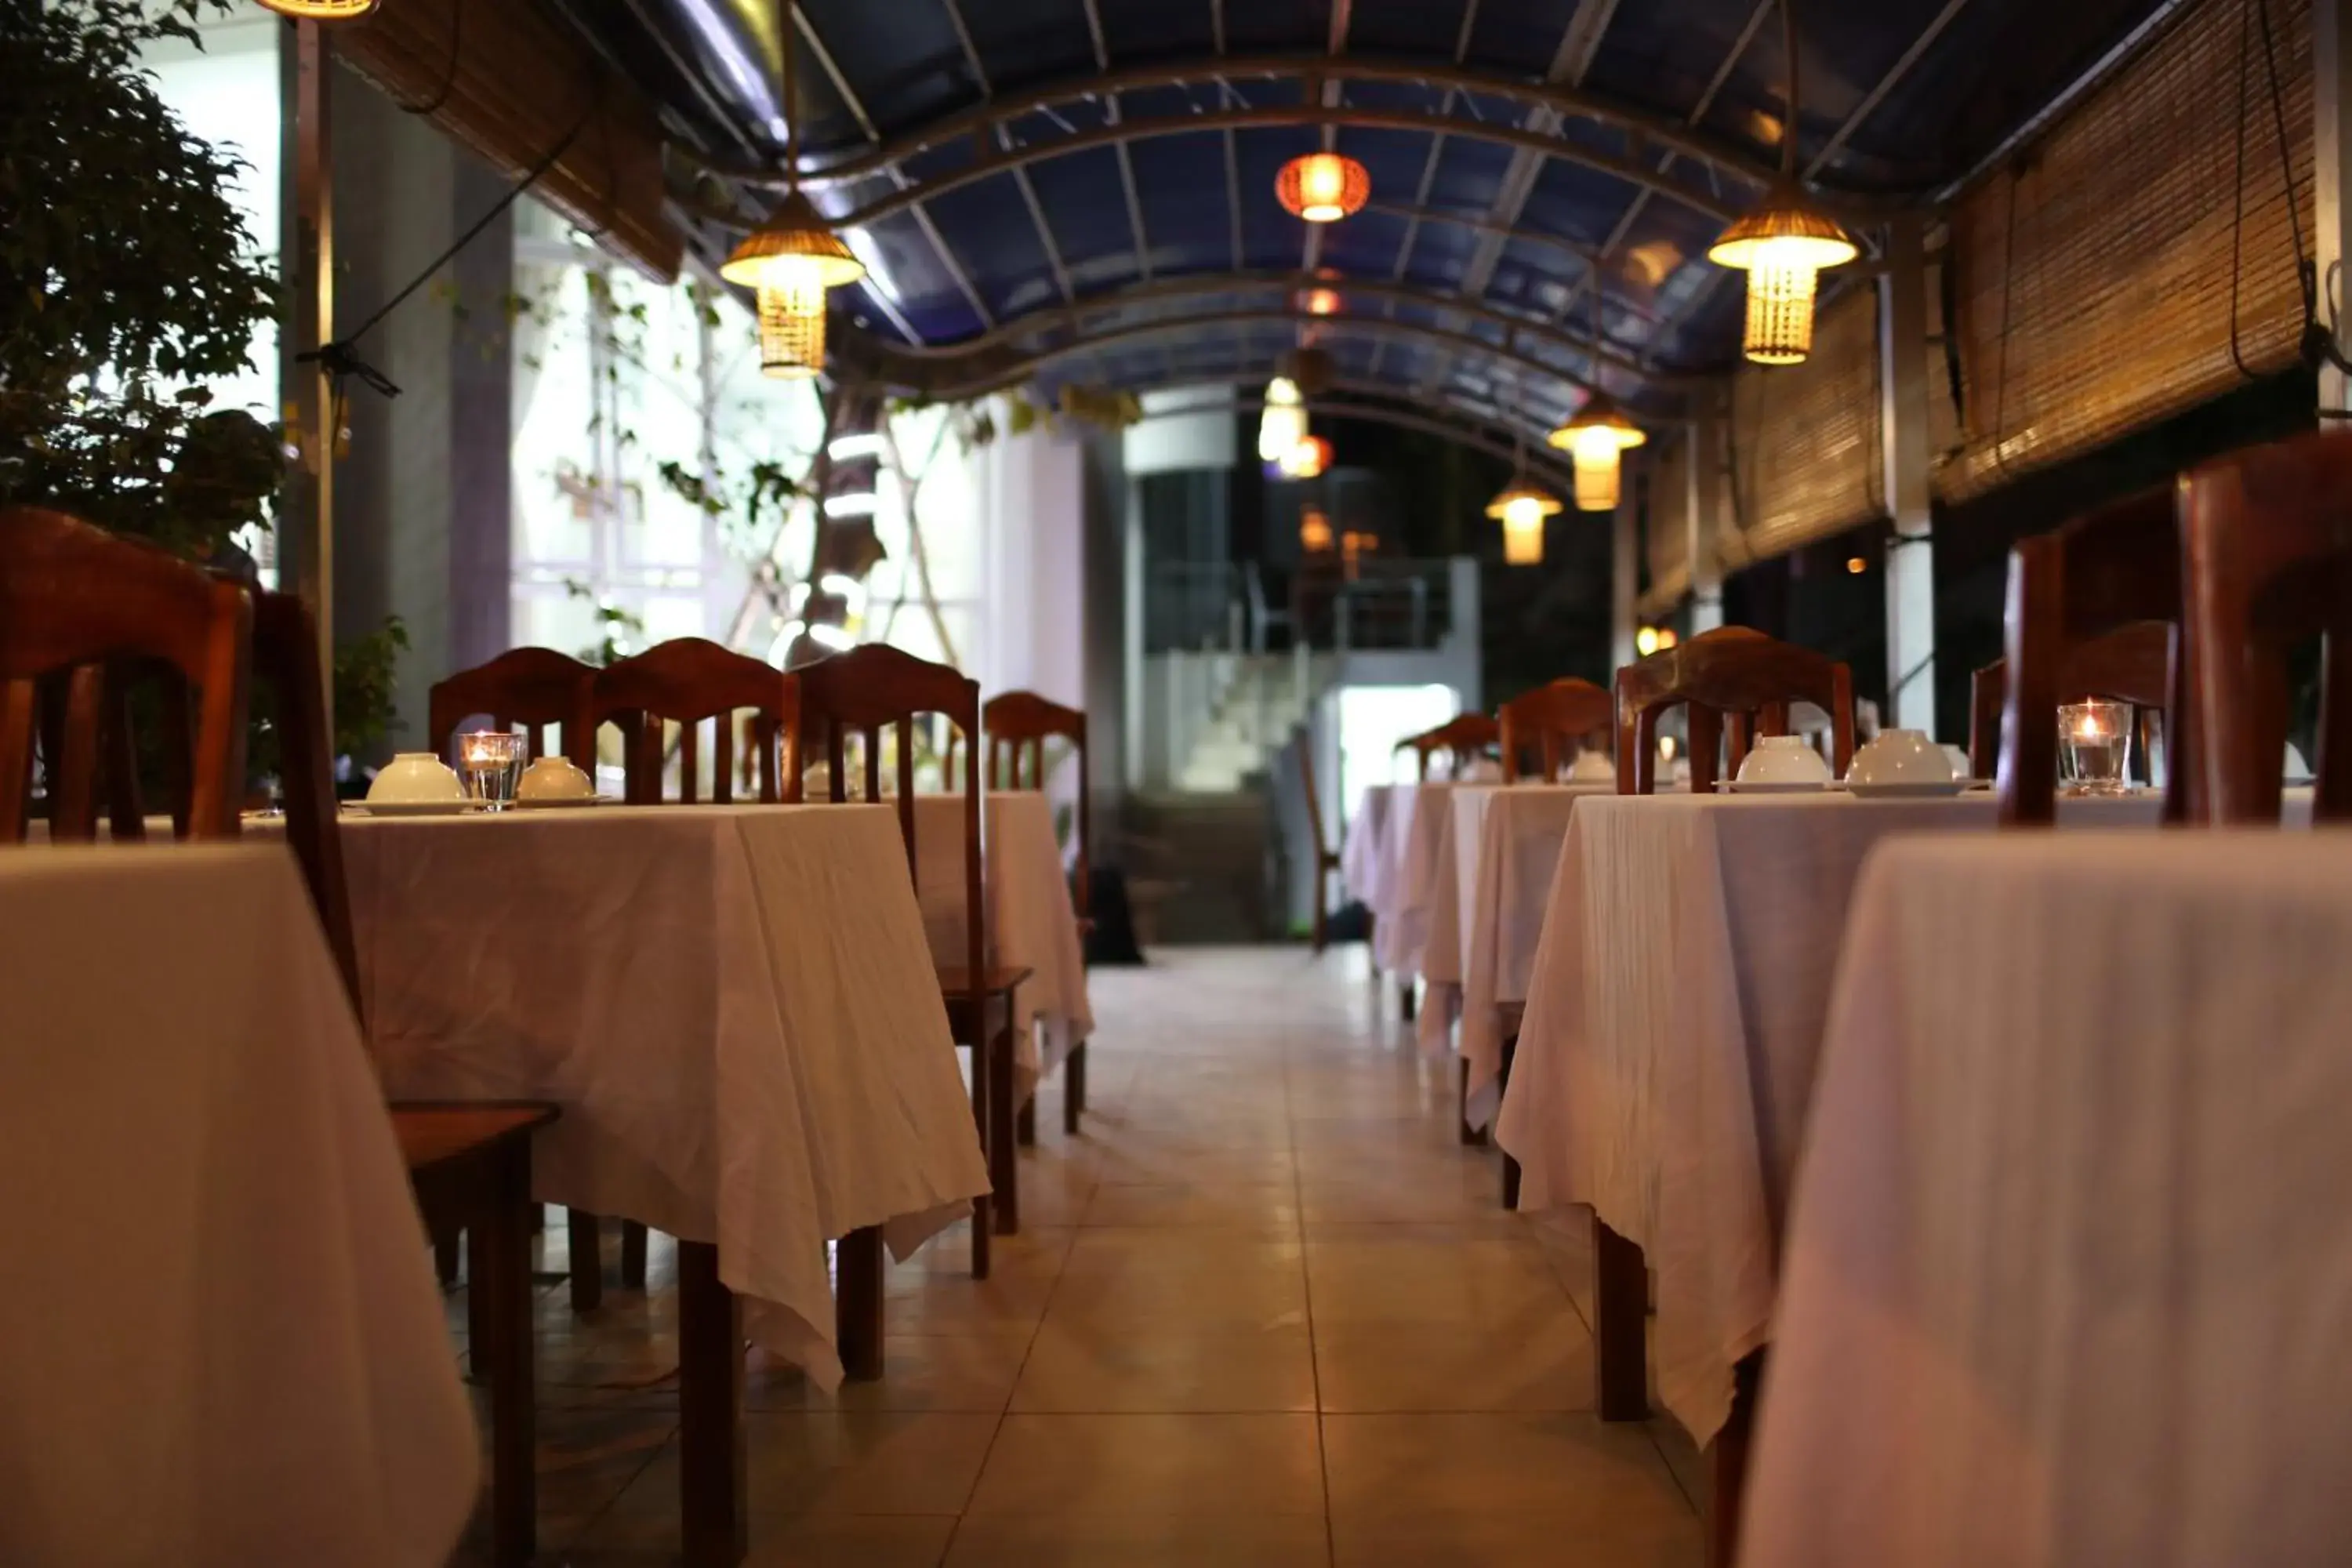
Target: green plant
126	272
619	629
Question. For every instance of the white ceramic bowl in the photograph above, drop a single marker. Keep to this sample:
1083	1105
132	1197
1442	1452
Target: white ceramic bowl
552	779
1900	757
1783	760
417	778
1592	768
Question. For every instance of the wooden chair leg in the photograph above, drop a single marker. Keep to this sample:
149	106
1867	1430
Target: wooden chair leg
1621	1290
713	1480
1407	1001
1024	1123
858	1303
1003	1162
1320	931
445	1256
1471	1137
587	1236
633	1255
1727	1459
498	1253
1074	1089
984	1207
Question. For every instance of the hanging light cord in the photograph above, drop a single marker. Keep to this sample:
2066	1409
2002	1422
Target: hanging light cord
450	76
339	357
1789	48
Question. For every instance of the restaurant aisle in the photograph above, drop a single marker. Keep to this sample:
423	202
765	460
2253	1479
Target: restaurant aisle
1267	1311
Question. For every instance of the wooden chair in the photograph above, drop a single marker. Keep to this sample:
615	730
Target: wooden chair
2266	539
867	691
1326	859
1018	724
1729	679
1555	720
469	1163
2091	609
1464	736
90	613
686	682
2131	665
530	686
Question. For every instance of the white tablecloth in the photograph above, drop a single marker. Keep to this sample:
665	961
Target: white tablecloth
1507	846
735	1007
2069	1271
224	1344
1417	864
1363	854
1673	1015
1029	919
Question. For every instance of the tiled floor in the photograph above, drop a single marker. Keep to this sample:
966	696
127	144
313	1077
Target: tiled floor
1265	1312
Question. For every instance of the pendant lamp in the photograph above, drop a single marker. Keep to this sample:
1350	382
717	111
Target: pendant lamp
1783	246
791	260
320	10
1283	425
1597	436
1521	509
1323	188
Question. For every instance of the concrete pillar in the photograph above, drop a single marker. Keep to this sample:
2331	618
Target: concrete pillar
1903	424
305	526
2331	22
1704	474
1624	565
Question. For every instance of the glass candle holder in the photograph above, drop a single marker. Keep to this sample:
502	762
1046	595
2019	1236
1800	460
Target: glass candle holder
491	763
2095	747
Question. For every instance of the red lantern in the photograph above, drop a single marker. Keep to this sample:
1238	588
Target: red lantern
1323	188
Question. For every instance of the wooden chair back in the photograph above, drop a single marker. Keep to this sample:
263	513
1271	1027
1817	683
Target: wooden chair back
286	659
2266	538
82	614
532	687
1553	719
1018	724
874	688
2107	573
1464	738
686	682
1730	679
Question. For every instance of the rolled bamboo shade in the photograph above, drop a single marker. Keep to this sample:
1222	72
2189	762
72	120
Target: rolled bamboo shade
521	83
2093	283
1806	457
1667	522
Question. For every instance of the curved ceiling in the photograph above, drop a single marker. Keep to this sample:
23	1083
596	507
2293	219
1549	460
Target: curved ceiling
1083	190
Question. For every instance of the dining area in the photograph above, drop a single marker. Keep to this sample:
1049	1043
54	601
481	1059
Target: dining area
487	1022
1952	1138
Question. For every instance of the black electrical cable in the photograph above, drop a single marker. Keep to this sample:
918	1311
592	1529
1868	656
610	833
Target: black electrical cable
450	76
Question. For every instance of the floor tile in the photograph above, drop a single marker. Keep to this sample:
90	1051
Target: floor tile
1047	1466
1572	1467
1544	1364
1140	1541
1077	1365
1225	1205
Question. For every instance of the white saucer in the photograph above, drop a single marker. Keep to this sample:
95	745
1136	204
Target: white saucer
417	808
1736	787
1916	789
562	805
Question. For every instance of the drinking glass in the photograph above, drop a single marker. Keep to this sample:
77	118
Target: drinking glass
2094	746
491	763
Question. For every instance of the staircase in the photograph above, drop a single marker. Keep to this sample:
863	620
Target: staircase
1199	867
1242	713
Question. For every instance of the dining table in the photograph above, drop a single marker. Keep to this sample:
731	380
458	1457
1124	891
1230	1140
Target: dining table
225	1343
2068	1263
1363	850
1666	1062
735	1008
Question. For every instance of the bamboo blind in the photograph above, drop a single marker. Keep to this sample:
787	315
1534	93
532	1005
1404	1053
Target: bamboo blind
2098	288
1806	459
1667	521
519	84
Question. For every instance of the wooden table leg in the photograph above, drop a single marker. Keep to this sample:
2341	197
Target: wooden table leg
858	1303
1407	1001
1621	1290
1503	1084
1727	1461
1074	1089
1024	1123
713	1481
1003	1157
587	1236
1471	1137
633	1255
498	1239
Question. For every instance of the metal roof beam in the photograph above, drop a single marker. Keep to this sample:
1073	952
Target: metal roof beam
1125	164
1429	165
1877	95
1660	130
1028	190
